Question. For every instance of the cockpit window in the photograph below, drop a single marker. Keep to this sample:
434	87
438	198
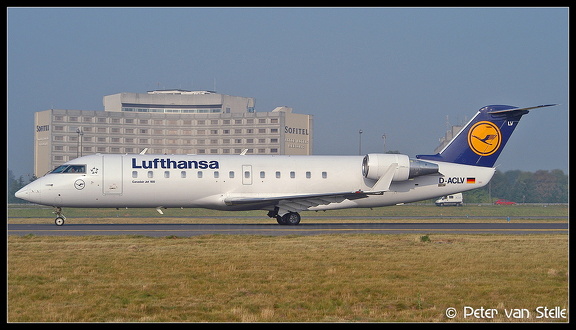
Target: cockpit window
66	168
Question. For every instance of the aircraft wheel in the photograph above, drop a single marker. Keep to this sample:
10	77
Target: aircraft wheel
291	218
281	220
59	221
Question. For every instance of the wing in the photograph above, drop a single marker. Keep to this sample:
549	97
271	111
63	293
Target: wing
290	203
301	202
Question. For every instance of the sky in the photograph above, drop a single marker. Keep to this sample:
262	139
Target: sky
406	73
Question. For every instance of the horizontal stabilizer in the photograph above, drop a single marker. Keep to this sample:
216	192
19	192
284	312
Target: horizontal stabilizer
521	109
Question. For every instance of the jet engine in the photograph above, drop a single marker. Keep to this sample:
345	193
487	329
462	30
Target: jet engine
376	165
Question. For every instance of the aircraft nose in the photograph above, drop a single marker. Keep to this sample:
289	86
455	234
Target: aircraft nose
22	193
28	194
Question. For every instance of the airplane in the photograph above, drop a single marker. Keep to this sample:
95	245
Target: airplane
283	185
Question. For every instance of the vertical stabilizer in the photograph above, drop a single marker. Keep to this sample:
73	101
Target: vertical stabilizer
480	142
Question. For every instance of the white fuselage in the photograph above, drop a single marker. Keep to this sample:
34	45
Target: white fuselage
208	181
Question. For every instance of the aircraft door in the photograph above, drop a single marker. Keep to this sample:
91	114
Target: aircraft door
247	174
112	174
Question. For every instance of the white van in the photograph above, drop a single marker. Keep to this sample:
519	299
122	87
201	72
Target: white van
450	200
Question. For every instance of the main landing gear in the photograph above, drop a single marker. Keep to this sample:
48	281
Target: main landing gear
60	218
290	218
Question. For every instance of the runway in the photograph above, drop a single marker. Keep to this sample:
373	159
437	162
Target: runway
186	230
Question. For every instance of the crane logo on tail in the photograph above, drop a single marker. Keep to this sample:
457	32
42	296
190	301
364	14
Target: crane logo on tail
484	138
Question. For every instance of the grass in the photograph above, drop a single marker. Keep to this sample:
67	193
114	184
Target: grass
323	278
31	214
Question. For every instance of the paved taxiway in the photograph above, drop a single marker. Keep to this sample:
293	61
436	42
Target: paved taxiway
185	230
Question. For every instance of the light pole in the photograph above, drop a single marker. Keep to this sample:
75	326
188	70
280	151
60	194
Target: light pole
384	138
360	143
79	143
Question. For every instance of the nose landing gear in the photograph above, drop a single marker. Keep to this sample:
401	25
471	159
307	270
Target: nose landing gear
60	218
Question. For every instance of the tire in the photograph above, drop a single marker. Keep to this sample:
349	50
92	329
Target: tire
59	221
280	220
291	218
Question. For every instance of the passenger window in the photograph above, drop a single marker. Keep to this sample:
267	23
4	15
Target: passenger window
134	174
231	174
247	174
308	175
183	174
278	175
262	174
199	174
150	174
324	175
216	175
292	174
166	174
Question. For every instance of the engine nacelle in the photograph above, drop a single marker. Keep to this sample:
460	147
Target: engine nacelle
375	165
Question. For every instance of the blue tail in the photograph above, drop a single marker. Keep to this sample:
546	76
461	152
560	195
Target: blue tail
480	142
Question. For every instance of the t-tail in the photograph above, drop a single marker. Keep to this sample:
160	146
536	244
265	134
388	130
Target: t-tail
480	142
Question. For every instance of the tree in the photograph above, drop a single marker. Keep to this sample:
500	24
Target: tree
14	185
539	187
